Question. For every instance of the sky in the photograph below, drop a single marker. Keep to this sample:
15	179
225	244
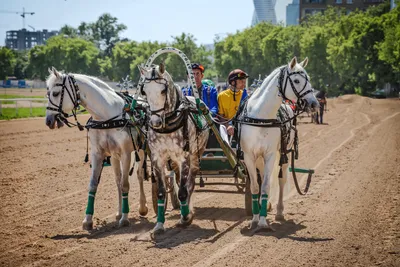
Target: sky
147	20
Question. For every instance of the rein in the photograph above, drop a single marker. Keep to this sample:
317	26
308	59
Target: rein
74	95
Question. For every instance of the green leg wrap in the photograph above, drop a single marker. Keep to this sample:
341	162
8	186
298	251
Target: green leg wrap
90	204
125	205
264	202
184	208
160	211
256	205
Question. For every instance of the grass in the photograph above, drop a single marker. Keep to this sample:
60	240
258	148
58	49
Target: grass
10	113
17	96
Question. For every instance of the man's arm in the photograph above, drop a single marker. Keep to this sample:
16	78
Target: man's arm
213	105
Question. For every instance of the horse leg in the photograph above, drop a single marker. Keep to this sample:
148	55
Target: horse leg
143	210
125	165
161	197
269	161
184	193
282	181
116	165
97	167
250	162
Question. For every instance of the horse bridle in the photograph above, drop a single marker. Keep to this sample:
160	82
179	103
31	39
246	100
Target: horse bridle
282	89
73	94
153	78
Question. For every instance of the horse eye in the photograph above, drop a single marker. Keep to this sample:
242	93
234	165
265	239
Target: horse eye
164	91
296	81
55	94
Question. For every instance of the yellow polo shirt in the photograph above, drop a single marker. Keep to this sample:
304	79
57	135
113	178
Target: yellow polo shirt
227	106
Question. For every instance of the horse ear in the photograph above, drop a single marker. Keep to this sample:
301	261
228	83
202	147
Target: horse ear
304	62
161	68
56	73
49	70
293	63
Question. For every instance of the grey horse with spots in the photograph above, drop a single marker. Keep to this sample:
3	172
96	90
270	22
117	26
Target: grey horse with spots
177	136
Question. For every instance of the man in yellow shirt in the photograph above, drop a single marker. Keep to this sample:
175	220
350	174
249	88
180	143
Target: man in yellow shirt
230	99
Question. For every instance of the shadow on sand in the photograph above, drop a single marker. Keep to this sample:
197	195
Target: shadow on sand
101	231
284	229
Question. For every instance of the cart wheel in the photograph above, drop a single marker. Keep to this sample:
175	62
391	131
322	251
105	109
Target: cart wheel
154	189
248	202
174	191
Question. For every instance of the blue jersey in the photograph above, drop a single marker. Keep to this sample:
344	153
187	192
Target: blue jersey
208	95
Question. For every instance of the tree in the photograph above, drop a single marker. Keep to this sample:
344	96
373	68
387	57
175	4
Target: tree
7	62
68	54
106	32
68	31
21	62
186	43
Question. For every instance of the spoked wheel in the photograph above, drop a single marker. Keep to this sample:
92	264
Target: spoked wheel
240	184
154	189
248	201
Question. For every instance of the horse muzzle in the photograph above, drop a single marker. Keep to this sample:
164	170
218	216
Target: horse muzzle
155	122
52	121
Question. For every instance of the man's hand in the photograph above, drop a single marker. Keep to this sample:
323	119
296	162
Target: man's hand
230	130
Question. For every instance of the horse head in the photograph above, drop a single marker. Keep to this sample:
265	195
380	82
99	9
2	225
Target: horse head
161	93
295	83
62	97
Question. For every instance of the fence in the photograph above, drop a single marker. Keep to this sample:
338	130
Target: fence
16	100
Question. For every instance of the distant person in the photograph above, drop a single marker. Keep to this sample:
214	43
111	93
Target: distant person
207	93
321	97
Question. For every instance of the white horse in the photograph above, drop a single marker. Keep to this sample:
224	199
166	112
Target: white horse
177	134
108	133
260	133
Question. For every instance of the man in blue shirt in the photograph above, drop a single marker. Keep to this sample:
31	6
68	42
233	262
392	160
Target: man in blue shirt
206	93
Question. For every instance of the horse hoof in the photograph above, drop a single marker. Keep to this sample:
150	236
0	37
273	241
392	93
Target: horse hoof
185	221
123	223
158	229
279	217
253	224
118	217
87	226
143	211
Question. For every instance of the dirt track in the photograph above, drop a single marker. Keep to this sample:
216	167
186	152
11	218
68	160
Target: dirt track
350	217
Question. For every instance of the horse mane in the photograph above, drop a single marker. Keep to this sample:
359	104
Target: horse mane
52	78
269	78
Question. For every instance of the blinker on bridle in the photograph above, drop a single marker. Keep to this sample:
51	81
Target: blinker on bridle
73	94
282	89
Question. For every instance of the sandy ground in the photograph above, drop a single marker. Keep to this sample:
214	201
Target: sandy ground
349	218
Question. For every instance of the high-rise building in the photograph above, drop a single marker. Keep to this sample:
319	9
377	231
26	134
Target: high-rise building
23	39
310	7
264	10
292	13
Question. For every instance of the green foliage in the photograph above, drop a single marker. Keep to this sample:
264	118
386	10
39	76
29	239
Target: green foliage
353	53
7	62
68	54
186	43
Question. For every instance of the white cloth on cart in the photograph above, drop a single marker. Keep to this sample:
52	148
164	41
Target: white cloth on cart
224	134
